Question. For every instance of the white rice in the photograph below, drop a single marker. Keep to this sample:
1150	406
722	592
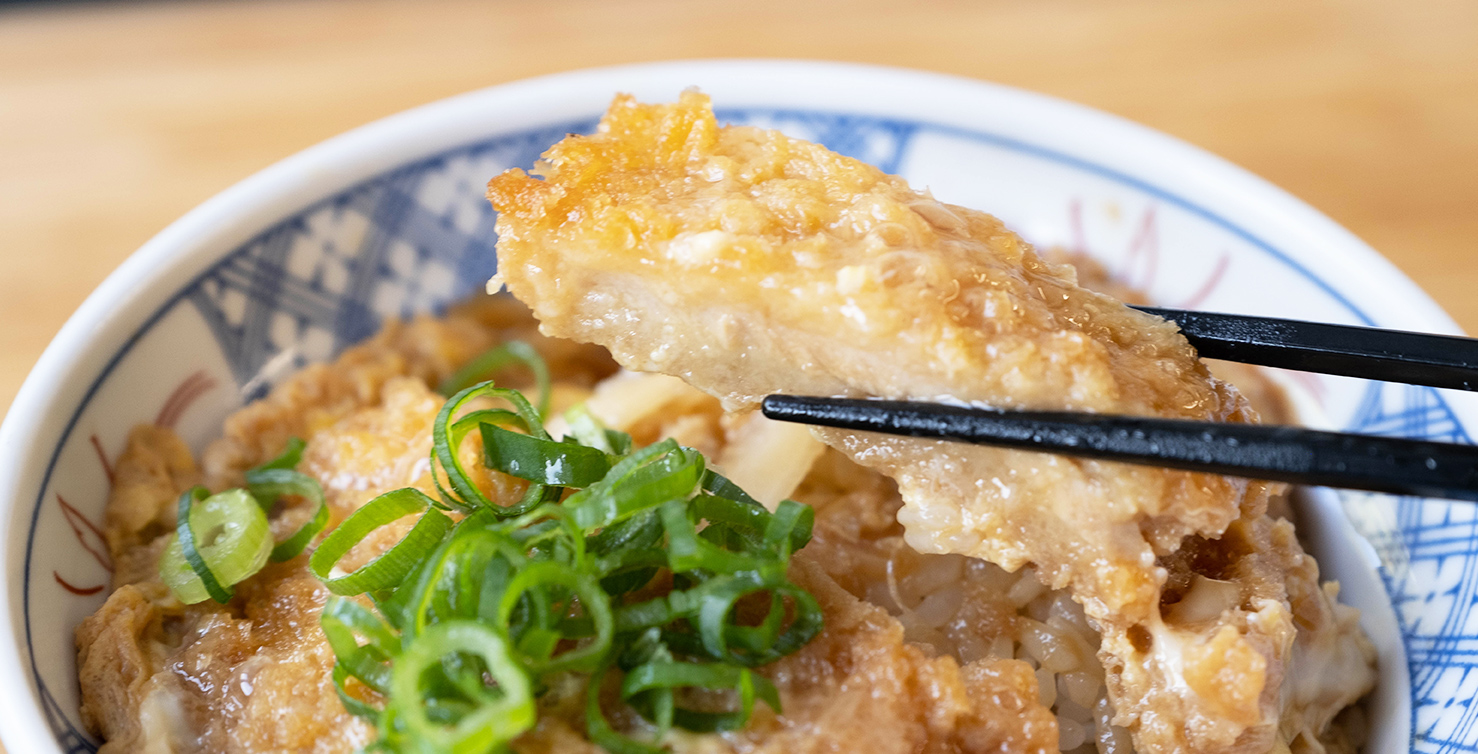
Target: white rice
1051	634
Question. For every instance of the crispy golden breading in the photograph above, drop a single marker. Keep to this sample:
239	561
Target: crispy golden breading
749	263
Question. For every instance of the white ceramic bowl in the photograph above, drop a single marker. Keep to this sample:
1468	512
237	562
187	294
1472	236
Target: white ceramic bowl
306	257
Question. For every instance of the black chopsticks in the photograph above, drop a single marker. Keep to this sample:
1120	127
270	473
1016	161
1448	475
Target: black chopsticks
1390	355
1285	454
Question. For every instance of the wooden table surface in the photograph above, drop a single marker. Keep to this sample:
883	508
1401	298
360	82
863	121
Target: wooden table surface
115	119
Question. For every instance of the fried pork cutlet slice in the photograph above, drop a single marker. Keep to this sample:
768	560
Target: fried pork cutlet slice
749	263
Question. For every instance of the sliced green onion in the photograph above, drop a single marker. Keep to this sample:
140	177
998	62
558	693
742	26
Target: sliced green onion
669	675
686	551
627	553
754	520
806	624
388	569
549	525
717	633
363	622
185	540
446	437
367	662
637	532
490	361
681	604
542	461
269	484
590	432
219	541
593	601
461	579
488	717
475	615
599	730
289	458
790	524
720	485
353	705
475	419
645	479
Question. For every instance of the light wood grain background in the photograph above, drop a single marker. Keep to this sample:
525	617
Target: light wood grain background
117	118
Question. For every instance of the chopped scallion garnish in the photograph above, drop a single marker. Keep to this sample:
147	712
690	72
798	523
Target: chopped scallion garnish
457	690
614	561
388	569
542	461
474	619
219	540
268	484
459	492
485	365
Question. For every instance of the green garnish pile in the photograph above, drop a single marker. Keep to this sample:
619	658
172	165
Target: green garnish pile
639	560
